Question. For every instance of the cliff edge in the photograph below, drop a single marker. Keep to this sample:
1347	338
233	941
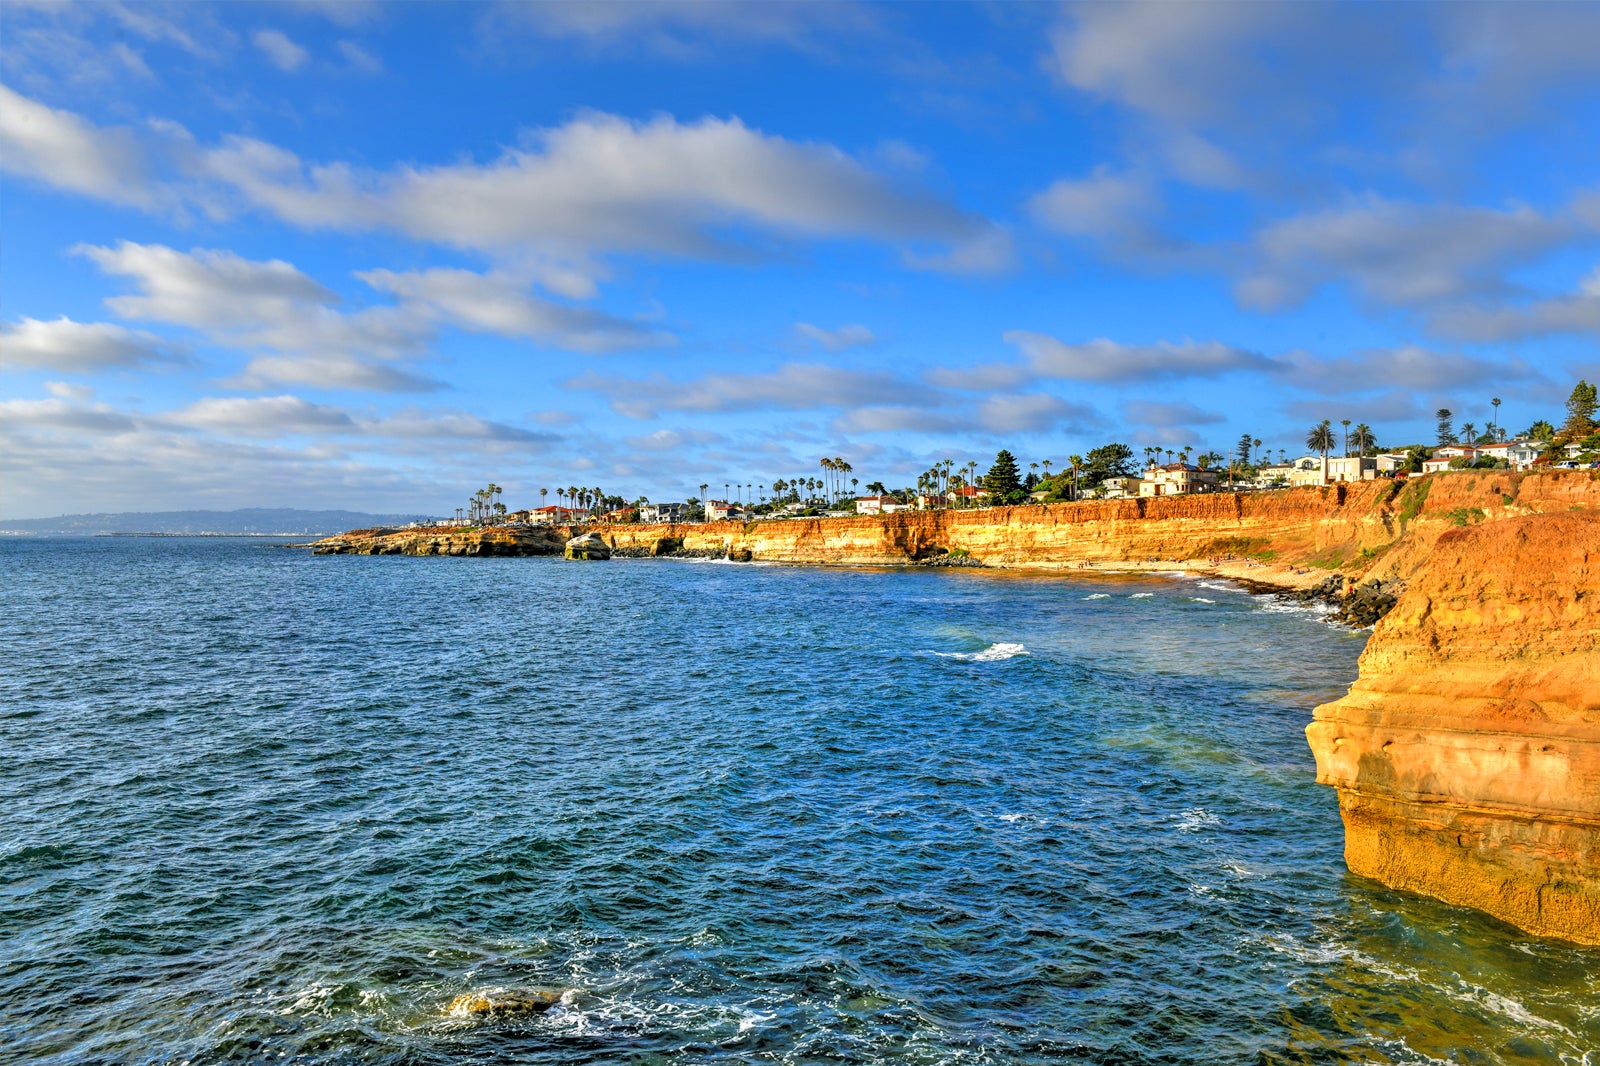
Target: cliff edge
1467	753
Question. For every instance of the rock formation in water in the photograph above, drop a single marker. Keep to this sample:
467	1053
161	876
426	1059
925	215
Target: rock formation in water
588	546
1467	753
521	1001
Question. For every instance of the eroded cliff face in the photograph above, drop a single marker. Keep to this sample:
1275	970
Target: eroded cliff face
1467	753
494	540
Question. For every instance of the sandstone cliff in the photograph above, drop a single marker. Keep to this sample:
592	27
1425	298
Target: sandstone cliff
1467	753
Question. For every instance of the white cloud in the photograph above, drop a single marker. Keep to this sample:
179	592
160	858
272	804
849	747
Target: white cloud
791	387
1168	414
263	416
1396	254
79	347
204	287
1577	312
359	58
61	149
1030	412
333	371
1108	360
498	303
1408	366
1103	204
65	391
98	419
852	335
280	50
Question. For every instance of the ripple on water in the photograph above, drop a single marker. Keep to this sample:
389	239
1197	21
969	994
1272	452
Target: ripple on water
290	808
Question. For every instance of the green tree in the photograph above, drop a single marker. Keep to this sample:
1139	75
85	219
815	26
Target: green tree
1362	438
1002	482
1540	430
1444	432
1321	439
1108	460
1581	406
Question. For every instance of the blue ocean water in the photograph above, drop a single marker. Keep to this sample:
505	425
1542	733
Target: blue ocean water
260	806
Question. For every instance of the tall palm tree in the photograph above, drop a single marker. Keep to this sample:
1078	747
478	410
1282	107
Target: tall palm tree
1077	464
1469	433
1362	438
1496	403
1345	422
1321	439
1047	465
704	513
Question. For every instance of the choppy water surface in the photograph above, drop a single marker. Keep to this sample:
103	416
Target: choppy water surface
260	806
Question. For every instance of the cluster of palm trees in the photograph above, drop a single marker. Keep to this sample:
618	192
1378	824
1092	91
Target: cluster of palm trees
483	507
582	498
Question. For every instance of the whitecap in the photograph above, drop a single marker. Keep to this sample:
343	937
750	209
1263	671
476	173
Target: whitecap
992	654
1220	587
1141	595
1200	599
1011	818
1195	819
1098	596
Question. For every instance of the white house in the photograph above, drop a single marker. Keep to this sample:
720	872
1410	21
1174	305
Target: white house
1119	487
662	512
720	510
554	515
1273	474
1519	454
878	505
1176	479
1307	470
1391	462
1352	468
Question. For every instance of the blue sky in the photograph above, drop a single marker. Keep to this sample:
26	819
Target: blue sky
341	254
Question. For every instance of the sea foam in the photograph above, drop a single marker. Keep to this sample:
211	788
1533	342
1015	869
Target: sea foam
992	654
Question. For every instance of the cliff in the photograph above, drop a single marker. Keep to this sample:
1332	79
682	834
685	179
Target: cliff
1467	753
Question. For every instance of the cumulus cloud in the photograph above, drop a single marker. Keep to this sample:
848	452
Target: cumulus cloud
499	303
1030	412
1168	414
1577	312
852	335
280	50
1104	204
79	347
63	150
1409	366
97	419
1396	254
206	288
1110	361
335	371
265	416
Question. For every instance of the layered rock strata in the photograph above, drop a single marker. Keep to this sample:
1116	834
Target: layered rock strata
1467	753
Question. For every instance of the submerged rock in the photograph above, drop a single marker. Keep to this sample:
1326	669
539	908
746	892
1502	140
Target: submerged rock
518	1001
740	555
588	546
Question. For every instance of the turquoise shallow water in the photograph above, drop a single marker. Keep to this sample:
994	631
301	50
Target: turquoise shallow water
262	806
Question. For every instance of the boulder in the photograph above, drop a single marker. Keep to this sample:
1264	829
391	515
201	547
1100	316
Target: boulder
588	546
740	555
517	1001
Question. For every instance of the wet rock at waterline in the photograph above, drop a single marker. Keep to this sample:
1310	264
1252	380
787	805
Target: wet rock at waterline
588	546
520	1001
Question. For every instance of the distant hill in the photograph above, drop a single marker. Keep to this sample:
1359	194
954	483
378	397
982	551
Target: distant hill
247	520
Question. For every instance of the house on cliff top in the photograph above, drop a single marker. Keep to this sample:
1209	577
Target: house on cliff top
1176	479
878	505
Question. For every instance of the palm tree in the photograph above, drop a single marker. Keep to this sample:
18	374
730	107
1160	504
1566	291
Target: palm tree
1321	439
1469	433
705	512
1496	403
1362	438
1077	463
1047	465
1345	422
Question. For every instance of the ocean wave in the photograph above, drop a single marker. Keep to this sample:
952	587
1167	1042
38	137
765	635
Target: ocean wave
1195	819
1200	599
1141	595
1098	596
992	654
1220	587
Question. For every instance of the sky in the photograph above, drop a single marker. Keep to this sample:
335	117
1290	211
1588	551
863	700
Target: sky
375	257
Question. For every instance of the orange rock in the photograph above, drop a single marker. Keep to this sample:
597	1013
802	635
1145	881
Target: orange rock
1467	753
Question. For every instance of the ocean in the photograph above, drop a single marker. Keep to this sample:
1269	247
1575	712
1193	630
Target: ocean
261	806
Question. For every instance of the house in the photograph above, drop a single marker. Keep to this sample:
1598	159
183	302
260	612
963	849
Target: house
928	501
1393	462
662	512
722	510
621	514
519	518
1352	468
554	515
969	494
1518	454
878	505
1119	487
1307	470
1176	479
1273	474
